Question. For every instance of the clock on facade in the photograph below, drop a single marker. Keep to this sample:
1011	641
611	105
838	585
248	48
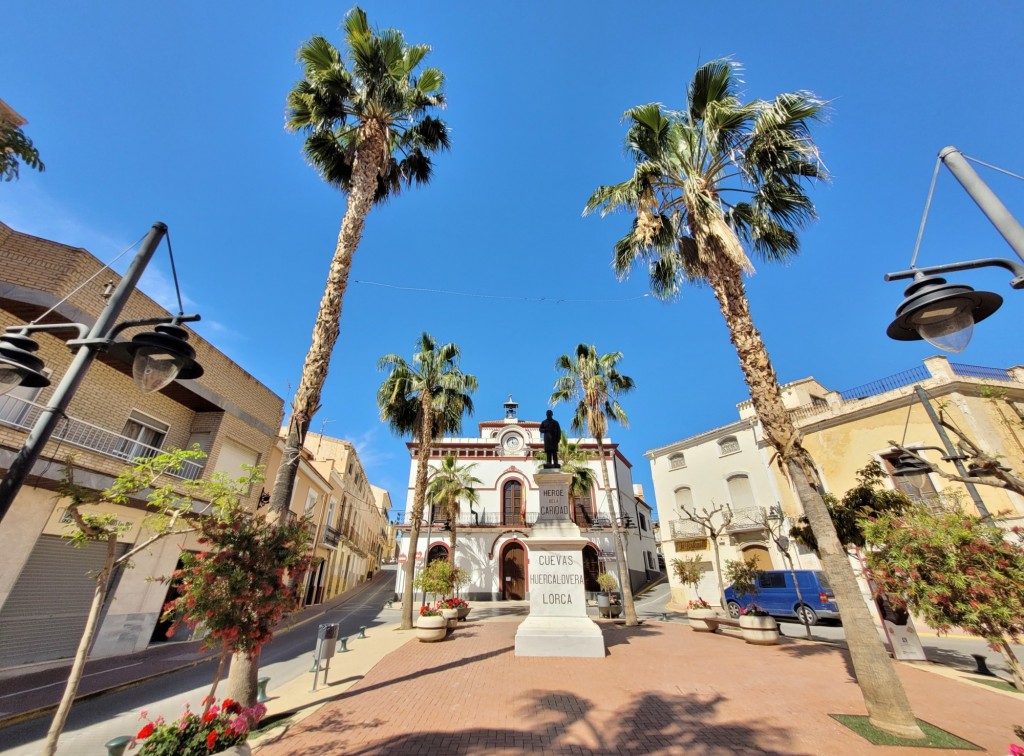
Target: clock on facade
512	443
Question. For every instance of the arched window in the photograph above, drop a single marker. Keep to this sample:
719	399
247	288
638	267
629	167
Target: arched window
675	461
728	445
741	495
512	503
684	499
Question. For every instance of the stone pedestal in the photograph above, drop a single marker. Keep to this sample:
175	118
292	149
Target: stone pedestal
558	624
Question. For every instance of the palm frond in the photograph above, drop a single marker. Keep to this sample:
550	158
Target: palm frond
715	81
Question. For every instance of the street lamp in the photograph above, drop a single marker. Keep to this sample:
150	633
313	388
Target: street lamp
158	357
944	314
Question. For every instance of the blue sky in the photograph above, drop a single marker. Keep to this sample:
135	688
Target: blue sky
175	112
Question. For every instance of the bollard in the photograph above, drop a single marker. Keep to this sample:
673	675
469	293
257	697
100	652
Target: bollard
342	645
261	690
983	669
116	746
664	616
362	631
389	603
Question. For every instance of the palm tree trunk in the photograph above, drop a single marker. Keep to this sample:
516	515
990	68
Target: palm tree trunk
453	515
102	582
367	165
886	701
620	544
426	438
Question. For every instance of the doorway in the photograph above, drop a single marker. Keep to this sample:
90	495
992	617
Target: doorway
759	556
591	569
513	572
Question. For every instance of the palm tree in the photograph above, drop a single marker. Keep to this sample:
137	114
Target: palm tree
367	134
574	462
712	182
593	381
447	485
427	399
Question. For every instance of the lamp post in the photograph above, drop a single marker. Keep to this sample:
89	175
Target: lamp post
944	314
158	357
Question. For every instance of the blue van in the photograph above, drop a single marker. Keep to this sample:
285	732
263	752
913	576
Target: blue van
777	596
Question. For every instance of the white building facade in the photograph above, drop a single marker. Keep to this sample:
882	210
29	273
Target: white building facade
493	535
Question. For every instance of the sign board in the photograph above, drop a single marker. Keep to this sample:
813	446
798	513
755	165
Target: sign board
419	554
401	558
606	556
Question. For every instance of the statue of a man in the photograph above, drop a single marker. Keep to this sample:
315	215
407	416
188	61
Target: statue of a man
552	432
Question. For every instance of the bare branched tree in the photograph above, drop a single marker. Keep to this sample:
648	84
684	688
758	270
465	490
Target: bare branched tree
714	525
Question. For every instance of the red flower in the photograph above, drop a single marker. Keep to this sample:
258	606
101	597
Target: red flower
209	716
211	739
146	731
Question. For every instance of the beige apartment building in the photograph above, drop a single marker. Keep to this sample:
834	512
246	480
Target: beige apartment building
44	585
843	431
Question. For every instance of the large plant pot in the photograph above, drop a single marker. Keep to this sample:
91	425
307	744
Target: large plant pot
606	608
451	616
702	620
430	629
761	631
464	612
241	749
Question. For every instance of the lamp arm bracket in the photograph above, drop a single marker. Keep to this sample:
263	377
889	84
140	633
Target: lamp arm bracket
986	262
120	327
21	330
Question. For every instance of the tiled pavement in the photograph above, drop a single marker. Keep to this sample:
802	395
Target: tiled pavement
662	689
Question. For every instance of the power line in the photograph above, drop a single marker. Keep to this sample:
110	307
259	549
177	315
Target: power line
553	300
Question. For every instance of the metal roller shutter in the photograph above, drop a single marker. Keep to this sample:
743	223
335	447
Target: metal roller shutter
45	614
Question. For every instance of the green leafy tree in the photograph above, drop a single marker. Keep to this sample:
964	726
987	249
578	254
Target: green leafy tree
437	578
369	133
867	500
955	570
426	399
688	572
743	576
593	382
241	585
16	148
447	486
174	506
714	183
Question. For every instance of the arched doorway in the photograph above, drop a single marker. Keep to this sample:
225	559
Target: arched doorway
759	556
512	503
437	552
591	569
513	572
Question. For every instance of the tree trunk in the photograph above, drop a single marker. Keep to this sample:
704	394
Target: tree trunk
78	666
718	569
620	544
211	696
799	593
1013	663
422	462
884	697
368	163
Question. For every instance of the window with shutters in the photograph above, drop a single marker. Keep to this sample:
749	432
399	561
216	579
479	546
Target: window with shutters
728	445
142	436
512	503
675	461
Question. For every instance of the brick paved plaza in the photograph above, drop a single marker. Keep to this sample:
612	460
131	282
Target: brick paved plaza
661	689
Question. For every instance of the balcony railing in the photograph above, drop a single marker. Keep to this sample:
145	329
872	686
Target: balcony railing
331	536
748	518
682	529
481	520
898	380
21	413
976	371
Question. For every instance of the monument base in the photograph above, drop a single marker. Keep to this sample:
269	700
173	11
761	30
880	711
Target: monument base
559	636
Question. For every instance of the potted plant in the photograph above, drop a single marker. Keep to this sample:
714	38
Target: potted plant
219	729
431	626
699	612
701	617
608	603
758	627
460	579
755	623
459	605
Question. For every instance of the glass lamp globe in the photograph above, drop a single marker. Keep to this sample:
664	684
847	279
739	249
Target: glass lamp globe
10	378
946	328
153	368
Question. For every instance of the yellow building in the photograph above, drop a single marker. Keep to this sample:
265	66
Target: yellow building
844	431
45	590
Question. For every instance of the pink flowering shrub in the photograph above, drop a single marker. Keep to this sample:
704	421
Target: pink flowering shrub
196	734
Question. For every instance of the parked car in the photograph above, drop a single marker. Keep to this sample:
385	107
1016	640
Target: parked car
777	596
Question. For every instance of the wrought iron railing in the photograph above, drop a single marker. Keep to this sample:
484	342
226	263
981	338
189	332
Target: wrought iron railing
976	371
331	536
21	413
895	381
479	520
687	529
748	518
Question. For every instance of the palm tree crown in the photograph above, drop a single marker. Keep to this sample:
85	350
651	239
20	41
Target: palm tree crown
713	175
593	382
377	95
